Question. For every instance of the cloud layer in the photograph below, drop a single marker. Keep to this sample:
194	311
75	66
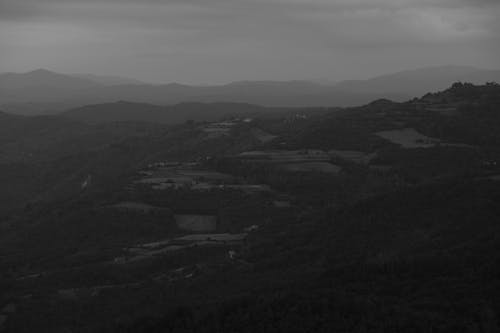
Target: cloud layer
205	41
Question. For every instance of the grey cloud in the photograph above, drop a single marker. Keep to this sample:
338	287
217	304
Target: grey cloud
199	40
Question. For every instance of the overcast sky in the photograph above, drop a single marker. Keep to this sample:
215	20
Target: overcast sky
218	41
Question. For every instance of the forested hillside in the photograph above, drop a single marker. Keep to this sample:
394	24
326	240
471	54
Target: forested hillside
377	218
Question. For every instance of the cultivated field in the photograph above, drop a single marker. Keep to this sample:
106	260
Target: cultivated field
286	156
354	156
263	136
323	167
136	206
409	138
196	223
150	250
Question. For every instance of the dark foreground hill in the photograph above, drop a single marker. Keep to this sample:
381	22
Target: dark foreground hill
402	235
411	261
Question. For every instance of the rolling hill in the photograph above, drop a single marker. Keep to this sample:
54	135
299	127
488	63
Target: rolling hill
175	114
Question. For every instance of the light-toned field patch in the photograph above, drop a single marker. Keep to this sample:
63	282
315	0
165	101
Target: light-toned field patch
410	138
216	132
286	156
205	174
161	180
263	136
322	167
214	237
306	160
196	223
136	206
446	111
354	156
145	251
182	175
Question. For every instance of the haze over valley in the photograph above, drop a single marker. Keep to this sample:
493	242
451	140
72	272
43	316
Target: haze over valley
45	92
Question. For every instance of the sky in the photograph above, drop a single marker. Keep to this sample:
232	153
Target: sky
220	41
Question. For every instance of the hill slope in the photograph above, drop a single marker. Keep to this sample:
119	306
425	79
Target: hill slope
404	240
179	113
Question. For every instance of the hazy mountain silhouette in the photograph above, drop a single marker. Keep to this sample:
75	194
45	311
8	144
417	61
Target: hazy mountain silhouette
420	81
108	80
41	79
38	90
42	91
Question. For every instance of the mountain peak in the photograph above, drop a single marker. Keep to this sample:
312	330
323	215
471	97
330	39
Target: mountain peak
382	102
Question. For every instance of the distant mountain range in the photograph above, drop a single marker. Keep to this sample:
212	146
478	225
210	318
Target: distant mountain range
43	91
108	80
421	81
